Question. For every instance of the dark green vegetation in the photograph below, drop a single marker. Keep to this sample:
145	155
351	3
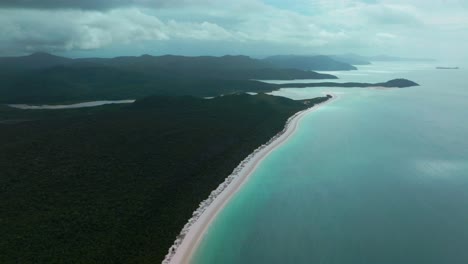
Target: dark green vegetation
116	184
44	78
309	63
395	83
398	83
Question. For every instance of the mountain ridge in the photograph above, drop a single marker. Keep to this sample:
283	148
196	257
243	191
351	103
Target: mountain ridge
309	62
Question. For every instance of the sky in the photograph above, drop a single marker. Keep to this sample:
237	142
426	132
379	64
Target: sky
107	28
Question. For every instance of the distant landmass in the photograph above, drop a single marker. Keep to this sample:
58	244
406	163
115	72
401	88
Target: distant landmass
37	60
225	67
352	59
355	59
309	63
395	83
393	58
447	68
45	78
337	62
168	66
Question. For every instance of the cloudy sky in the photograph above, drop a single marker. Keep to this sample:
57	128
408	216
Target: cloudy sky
411	28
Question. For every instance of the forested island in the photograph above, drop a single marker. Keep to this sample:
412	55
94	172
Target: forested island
116	183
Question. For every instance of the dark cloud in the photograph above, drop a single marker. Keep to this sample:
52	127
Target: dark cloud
90	4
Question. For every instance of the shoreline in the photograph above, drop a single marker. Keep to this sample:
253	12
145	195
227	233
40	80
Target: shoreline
70	106
193	232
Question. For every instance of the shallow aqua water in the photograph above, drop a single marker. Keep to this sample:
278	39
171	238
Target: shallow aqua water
378	176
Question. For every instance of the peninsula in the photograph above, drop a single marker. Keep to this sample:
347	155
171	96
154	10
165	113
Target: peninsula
117	183
395	83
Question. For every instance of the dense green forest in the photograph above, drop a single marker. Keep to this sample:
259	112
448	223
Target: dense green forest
115	184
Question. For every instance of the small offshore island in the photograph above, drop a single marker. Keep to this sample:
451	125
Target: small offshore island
447	68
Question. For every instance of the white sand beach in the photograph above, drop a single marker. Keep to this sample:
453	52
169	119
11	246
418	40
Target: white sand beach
192	234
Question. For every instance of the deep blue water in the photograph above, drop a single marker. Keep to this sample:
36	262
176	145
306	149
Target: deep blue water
378	176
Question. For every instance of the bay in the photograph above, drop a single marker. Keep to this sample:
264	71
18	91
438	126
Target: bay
377	176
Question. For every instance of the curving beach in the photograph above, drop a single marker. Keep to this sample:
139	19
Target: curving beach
193	232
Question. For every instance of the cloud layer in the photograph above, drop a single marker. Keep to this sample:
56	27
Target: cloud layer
95	4
331	26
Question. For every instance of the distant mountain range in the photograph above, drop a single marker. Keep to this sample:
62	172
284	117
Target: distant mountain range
352	59
392	58
309	63
340	62
149	63
355	59
45	78
168	66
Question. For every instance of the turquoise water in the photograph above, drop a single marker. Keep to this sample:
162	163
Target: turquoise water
378	176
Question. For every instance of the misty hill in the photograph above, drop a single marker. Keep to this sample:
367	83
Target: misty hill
393	58
351	58
116	184
183	62
38	60
309	63
203	67
356	57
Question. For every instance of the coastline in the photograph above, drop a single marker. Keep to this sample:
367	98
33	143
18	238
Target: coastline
193	232
70	106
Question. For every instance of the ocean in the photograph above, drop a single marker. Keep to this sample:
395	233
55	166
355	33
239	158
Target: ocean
377	176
